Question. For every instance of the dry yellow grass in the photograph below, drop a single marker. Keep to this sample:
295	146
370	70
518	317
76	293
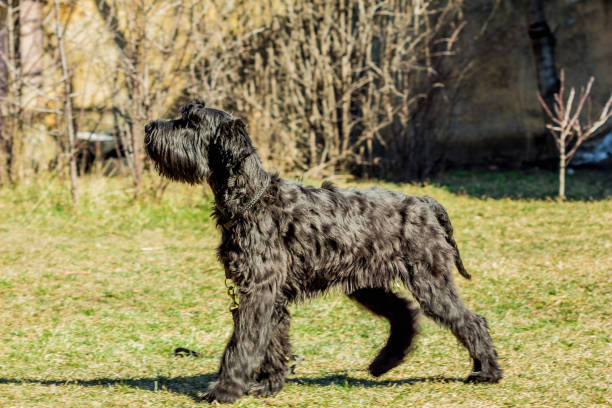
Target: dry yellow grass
94	299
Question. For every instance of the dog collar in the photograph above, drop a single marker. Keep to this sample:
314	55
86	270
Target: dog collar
227	225
231	293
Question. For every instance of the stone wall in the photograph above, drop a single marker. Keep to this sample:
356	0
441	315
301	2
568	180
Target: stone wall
499	117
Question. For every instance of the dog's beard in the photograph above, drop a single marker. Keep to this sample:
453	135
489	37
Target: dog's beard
179	153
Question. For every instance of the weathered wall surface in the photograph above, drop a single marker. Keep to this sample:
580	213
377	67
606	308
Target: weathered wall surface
499	119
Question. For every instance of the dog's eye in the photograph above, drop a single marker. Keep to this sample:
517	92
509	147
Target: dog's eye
184	110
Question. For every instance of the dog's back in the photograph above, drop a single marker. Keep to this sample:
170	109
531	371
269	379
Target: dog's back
335	234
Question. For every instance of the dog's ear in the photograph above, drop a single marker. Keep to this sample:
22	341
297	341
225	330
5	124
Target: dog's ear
239	127
233	142
198	101
232	129
192	108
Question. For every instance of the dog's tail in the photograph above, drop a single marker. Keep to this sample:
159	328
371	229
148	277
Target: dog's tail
444	221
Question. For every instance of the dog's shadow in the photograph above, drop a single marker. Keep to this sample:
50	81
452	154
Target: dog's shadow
194	386
346	380
190	386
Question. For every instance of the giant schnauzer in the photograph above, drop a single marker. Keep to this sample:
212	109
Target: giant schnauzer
284	242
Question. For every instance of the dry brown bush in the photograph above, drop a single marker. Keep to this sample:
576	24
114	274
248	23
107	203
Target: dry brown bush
348	85
361	86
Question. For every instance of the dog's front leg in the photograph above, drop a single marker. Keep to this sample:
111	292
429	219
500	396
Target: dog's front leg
270	378
245	351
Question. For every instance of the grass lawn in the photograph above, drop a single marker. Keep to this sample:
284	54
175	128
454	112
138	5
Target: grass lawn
94	299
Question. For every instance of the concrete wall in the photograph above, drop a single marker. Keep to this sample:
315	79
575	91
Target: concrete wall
499	119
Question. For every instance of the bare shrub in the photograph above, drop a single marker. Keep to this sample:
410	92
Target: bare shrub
67	103
414	89
571	129
152	40
26	146
12	95
224	38
348	85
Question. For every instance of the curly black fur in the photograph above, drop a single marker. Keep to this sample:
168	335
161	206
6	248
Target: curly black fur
300	241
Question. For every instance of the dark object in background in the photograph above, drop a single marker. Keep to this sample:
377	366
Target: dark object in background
184	352
94	147
284	242
595	153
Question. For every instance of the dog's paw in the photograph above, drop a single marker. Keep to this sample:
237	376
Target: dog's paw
221	393
384	362
491	377
266	387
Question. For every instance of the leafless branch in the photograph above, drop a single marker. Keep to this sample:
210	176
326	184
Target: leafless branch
566	127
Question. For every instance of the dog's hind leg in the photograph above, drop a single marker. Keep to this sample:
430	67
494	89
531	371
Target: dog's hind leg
435	291
271	375
404	326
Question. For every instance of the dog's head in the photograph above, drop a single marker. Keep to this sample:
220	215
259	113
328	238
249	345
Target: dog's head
200	141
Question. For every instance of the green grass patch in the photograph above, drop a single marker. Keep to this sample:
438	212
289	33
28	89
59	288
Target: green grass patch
95	298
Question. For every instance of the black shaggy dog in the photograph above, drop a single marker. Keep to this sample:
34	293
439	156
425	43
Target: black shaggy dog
284	242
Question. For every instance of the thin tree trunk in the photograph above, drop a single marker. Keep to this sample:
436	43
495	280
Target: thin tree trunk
4	173
137	131
31	41
68	116
31	60
562	162
562	165
543	45
15	88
